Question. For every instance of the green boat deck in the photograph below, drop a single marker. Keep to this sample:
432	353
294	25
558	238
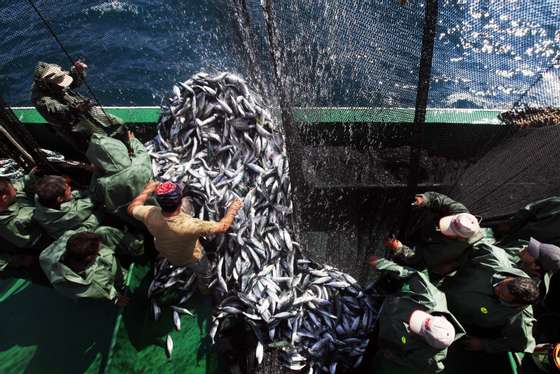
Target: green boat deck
44	332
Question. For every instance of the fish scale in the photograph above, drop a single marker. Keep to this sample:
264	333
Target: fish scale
232	148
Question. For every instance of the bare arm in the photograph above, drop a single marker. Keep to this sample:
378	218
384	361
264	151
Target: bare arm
143	196
226	222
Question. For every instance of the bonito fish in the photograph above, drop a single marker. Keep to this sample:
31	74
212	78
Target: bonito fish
217	138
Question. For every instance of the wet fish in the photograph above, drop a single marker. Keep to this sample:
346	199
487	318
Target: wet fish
219	139
169	347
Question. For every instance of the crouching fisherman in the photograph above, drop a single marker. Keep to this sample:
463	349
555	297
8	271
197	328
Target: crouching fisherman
60	209
118	177
444	244
72	115
23	238
542	262
176	233
415	326
83	264
492	300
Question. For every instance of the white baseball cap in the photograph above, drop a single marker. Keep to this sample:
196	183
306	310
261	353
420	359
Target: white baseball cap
58	76
436	330
463	225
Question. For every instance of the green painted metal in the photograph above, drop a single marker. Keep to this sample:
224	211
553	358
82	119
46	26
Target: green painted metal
149	114
138	345
396	115
131	115
45	332
13	287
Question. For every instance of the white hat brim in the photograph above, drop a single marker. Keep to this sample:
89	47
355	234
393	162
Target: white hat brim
66	81
445	226
416	321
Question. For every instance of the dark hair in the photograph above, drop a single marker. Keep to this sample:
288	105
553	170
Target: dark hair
49	189
4	185
525	290
79	248
168	205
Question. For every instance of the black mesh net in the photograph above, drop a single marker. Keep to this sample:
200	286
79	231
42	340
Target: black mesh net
347	79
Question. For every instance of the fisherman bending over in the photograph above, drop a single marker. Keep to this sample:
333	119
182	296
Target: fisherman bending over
118	177
73	116
492	300
23	238
415	326
60	209
444	244
542	262
176	233
82	264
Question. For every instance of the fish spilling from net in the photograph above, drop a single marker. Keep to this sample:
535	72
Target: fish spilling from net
10	169
217	138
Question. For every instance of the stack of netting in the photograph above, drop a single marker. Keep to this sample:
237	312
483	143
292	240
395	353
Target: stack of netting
216	137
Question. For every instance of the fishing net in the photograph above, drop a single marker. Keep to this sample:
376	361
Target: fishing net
487	59
375	101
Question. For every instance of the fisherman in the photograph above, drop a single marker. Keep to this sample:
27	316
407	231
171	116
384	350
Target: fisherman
118	177
415	326
537	259
73	116
540	220
176	233
542	262
492	300
82	264
23	239
60	209
444	244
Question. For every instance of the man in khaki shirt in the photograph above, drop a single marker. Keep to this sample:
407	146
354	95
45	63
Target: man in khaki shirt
176	233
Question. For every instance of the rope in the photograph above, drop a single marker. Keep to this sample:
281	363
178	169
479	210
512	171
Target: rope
48	26
418	126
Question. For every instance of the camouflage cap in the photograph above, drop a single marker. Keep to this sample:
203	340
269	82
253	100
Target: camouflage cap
52	73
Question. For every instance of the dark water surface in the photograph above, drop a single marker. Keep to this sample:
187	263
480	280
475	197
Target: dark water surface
488	53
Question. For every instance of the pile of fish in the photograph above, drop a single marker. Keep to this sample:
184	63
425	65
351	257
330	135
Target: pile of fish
217	138
10	169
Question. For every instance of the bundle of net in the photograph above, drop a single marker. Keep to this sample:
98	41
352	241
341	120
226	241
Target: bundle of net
9	168
217	138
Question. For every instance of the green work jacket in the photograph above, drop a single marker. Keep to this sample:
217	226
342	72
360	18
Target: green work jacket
17	228
100	280
540	220
435	249
58	107
417	293
123	177
72	215
471	298
513	250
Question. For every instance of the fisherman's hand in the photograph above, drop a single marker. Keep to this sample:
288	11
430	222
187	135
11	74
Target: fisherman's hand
80	66
122	300
84	106
472	343
151	186
236	205
131	135
419	201
392	243
372	261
